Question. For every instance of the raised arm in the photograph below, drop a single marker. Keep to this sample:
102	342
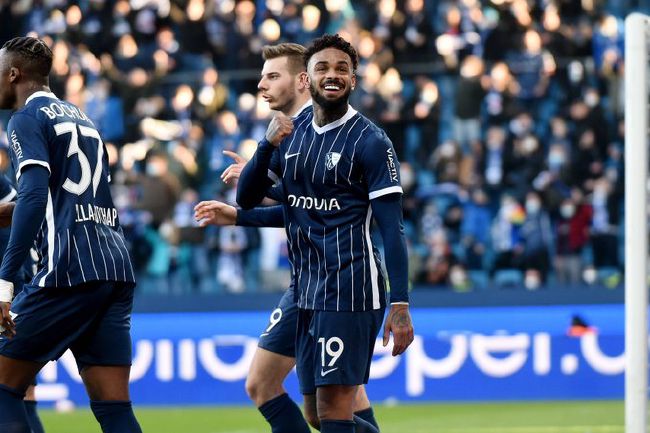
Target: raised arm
256	177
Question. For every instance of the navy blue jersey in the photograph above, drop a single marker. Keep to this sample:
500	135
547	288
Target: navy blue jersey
80	238
329	175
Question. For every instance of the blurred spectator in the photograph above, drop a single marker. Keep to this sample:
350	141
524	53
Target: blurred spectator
469	97
474	236
506	235
604	228
485	101
439	260
537	239
532	69
500	99
572	236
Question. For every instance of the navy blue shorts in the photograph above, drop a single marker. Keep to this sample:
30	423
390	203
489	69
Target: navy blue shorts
335	347
280	335
92	319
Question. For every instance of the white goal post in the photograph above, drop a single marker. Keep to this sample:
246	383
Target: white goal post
637	33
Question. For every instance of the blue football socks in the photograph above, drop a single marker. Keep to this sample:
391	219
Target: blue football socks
336	426
13	417
284	415
115	416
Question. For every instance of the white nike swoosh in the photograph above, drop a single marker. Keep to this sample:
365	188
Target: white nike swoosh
290	155
325	373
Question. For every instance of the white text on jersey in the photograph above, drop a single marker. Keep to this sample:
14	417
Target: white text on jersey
16	145
326	204
101	215
61	110
392	169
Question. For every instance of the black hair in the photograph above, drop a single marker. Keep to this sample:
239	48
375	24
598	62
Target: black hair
332	41
35	55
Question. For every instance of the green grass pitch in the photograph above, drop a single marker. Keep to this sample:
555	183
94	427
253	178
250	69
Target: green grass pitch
537	417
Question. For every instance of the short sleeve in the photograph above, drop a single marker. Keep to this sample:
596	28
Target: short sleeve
28	143
379	165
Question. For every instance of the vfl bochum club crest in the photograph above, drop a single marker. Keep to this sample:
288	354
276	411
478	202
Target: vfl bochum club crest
331	159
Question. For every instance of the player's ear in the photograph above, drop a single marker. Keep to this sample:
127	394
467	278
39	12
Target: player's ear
354	81
14	74
303	81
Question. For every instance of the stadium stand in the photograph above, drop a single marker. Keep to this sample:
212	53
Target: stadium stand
507	119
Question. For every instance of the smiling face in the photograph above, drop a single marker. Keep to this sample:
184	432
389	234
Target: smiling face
331	77
278	85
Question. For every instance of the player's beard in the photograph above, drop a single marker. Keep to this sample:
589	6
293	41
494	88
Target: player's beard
329	104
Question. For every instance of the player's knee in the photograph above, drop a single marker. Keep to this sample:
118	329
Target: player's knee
252	388
262	390
335	402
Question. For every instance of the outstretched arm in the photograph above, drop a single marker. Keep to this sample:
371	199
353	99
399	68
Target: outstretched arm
220	214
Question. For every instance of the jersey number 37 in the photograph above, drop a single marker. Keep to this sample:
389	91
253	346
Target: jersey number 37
87	176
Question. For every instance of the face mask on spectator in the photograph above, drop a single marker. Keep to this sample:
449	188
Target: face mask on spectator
529	145
567	210
153	169
556	160
576	71
533	206
532	280
591	99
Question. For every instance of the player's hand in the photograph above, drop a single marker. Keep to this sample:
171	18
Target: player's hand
281	127
6	213
234	170
215	213
7	325
399	323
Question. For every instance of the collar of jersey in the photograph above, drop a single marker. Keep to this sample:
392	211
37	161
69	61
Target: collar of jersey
39	94
301	109
323	129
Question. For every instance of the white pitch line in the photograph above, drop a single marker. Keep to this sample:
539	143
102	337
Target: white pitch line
539	429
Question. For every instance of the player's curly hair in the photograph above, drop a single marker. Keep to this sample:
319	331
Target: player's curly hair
332	41
34	53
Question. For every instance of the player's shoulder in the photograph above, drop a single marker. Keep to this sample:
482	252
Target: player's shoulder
372	134
47	108
31	116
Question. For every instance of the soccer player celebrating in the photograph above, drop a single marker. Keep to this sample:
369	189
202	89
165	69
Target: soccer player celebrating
337	170
284	86
82	293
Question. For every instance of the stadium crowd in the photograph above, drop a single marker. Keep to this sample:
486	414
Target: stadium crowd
506	116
